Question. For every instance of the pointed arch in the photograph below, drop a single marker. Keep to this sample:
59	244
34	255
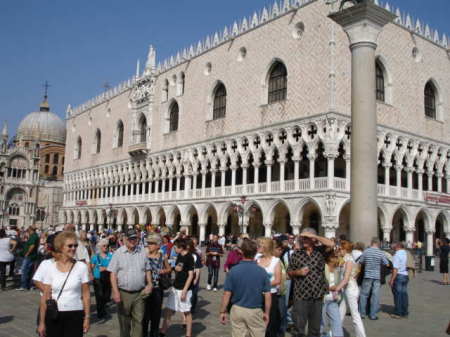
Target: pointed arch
219	101
383	83
276	82
120	133
142	128
174	111
98	141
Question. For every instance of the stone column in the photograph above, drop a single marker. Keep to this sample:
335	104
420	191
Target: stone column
439	179
221	229
269	176
430	243
202	235
256	175
203	183
194	185
296	174
363	23
398	171
244	179
348	171
178	186
409	237
312	169
187	186
170	186
330	170
447	177
330	232
282	174
430	180
420	182
410	182
233	179
268	230
387	234
213	182
296	229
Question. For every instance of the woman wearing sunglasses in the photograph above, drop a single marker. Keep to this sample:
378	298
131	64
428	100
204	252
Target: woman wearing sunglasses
66	282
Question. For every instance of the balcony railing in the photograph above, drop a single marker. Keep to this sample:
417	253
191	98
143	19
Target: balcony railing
276	187
137	149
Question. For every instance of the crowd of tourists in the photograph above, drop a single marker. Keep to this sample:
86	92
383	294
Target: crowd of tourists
305	285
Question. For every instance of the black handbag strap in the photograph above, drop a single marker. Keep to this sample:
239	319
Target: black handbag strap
64	284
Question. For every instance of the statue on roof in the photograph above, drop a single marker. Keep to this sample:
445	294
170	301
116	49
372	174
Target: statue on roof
355	2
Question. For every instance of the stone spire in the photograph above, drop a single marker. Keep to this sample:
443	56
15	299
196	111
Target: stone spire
150	66
4	143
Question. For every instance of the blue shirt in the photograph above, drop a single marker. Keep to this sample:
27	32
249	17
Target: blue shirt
373	258
400	261
247	282
98	262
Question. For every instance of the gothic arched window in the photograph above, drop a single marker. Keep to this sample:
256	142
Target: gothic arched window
120	133
220	101
55	158
142	129
78	149
173	117
379	72
430	100
98	141
277	83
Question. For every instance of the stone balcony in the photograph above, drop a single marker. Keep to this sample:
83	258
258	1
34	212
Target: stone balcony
137	149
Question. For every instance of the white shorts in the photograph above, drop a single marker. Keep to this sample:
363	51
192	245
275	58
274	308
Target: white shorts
174	302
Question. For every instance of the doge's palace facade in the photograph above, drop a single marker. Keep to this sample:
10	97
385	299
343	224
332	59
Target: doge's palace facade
249	131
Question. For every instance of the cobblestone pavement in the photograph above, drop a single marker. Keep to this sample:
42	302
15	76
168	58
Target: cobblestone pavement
429	314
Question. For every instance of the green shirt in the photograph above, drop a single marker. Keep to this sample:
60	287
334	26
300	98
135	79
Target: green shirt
32	240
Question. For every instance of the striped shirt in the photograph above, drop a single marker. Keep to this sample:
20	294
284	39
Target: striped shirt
372	258
130	268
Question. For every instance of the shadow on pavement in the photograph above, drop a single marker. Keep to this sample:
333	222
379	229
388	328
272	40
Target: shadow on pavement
6	319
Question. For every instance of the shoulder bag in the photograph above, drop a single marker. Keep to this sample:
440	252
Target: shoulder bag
52	305
165	281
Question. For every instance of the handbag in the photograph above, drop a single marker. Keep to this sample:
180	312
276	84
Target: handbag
165	281
52	305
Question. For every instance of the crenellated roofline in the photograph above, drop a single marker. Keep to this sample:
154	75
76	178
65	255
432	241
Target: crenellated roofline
279	9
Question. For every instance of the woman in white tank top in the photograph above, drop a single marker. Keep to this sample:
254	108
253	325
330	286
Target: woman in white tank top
271	265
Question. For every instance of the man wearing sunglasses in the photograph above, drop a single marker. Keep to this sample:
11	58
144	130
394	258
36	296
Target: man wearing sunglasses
131	283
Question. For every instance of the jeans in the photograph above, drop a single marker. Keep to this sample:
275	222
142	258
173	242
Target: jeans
288	317
351	296
27	268
283	308
3	274
102	291
308	312
400	291
153	310
213	275
274	318
368	285
331	318
194	298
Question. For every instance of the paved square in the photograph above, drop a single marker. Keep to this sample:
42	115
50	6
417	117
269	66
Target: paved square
429	313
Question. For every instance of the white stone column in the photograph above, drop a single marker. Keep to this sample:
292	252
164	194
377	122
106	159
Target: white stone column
330	232
430	180
410	182
330	170
269	176
430	243
420	182
409	237
398	171
187	186
268	230
213	182
448	183
178	186
202	235
222	180
282	175
194	185
221	229
296	174
170	186
439	179
312	169
233	180
156	189
163	189
387	234
296	229
244	179
363	23
203	183
256	175
348	172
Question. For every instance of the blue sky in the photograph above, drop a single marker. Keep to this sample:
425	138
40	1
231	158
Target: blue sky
78	45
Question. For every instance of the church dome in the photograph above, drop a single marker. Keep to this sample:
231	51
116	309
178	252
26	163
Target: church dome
42	125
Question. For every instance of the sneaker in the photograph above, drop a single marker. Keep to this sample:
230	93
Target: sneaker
21	289
208	287
215	289
395	316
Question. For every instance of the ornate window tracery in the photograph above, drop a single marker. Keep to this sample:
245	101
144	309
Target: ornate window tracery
277	83
220	101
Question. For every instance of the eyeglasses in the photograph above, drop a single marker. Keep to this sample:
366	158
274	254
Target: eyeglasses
73	246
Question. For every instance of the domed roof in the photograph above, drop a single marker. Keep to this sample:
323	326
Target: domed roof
42	125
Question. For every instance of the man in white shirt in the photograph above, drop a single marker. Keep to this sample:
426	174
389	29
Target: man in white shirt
399	281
